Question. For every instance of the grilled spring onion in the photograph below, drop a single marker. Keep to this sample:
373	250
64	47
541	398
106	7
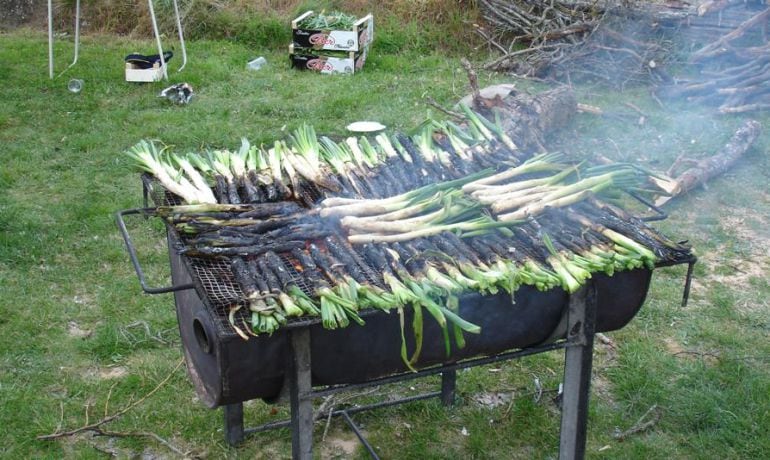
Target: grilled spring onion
307	160
566	195
539	163
490	131
362	207
150	160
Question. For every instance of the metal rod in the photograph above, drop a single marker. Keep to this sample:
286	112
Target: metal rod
688	282
448	385
50	39
445	368
135	259
301	395
577	373
360	436
337	413
157	38
77	33
659	213
181	35
233	414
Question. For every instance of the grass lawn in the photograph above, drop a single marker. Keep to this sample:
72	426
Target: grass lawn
79	340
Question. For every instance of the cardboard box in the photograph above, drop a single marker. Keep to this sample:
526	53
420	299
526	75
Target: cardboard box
337	40
325	63
155	73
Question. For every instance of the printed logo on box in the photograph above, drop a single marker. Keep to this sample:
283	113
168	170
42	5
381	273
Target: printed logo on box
321	39
319	65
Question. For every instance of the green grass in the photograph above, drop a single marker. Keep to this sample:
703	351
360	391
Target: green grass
63	267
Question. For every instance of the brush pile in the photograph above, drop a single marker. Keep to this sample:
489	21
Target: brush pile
614	42
313	227
730	65
713	52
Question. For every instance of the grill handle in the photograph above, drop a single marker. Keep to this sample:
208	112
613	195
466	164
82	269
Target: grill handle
135	259
659	213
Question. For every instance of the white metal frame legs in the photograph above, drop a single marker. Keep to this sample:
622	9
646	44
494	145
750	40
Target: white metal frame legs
77	36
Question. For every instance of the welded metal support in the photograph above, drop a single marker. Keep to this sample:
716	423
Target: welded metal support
50	39
577	373
300	391
448	385
233	423
151	7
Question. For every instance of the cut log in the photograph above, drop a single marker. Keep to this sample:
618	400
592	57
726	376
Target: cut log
528	119
713	166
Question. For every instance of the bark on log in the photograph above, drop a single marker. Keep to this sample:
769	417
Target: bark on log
528	119
711	167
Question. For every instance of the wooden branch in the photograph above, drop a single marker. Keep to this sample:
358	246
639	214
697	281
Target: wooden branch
640	424
744	108
473	80
714	48
491	41
144	434
711	167
592	109
432	102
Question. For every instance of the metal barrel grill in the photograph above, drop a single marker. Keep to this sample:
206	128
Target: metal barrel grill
216	301
227	370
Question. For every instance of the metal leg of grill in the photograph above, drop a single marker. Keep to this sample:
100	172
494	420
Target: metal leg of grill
577	373
233	423
301	395
448	385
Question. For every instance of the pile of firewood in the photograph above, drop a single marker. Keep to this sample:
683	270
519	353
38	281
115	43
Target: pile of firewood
614	41
719	47
732	70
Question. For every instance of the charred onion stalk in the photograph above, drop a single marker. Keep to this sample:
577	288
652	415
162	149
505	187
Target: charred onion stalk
404	222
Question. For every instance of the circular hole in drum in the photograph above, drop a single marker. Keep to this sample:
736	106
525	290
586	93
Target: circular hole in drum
201	336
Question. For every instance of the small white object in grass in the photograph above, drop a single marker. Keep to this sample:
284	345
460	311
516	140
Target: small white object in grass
256	64
464	432
365	127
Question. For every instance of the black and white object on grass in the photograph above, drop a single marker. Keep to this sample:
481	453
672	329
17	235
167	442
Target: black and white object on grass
180	93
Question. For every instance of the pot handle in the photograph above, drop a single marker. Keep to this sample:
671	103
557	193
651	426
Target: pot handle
135	259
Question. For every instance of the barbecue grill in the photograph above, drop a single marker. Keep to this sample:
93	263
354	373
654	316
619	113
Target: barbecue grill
307	361
376	236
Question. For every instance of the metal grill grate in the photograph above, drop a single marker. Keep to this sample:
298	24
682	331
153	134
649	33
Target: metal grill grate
215	285
157	193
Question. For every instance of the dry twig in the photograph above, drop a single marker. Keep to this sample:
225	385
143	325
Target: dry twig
641	425
96	426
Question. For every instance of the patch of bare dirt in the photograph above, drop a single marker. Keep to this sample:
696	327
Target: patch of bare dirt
74	330
492	400
605	357
672	346
753	263
676	349
107	373
341	444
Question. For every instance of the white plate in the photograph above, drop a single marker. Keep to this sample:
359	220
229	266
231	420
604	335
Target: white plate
365	127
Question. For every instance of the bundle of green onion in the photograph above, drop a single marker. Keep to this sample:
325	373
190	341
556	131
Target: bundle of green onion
317	228
333	20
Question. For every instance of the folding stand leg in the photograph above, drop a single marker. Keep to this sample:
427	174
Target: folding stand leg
233	423
448	384
300	390
577	373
